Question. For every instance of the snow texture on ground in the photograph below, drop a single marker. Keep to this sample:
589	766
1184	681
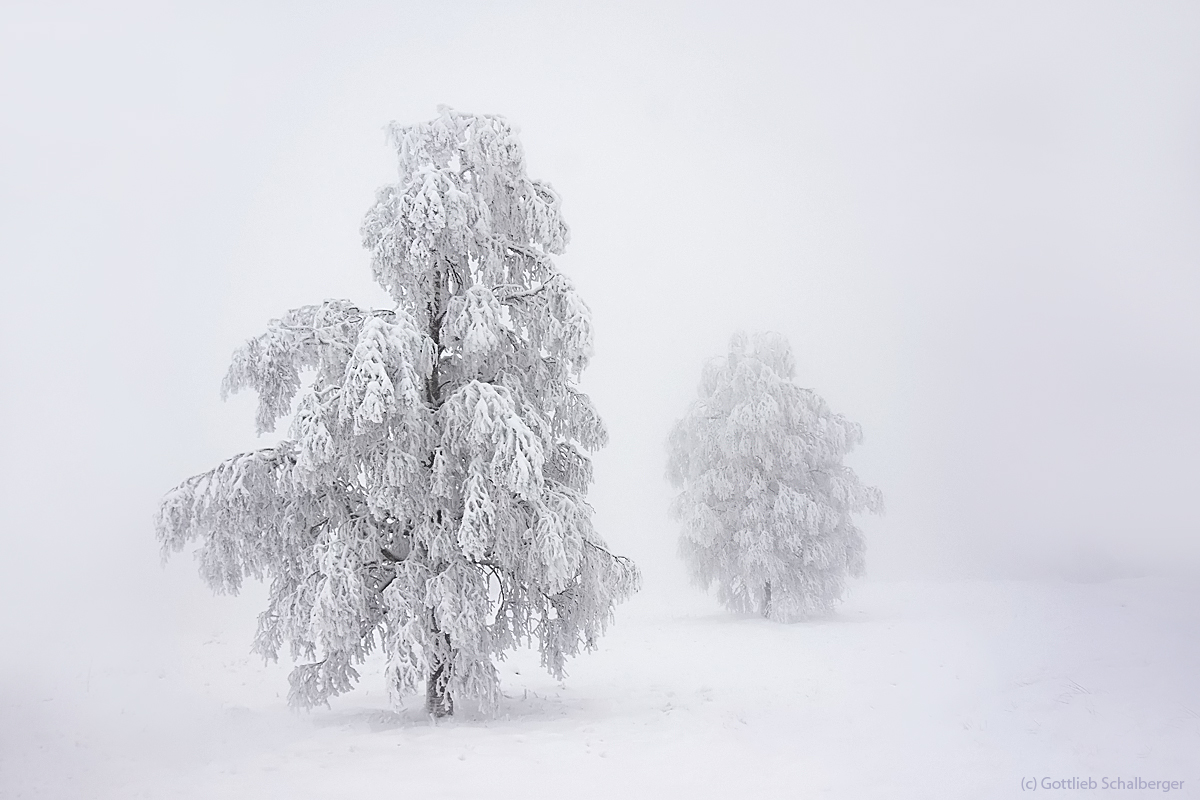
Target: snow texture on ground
912	690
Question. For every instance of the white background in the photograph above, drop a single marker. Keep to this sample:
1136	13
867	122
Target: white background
976	223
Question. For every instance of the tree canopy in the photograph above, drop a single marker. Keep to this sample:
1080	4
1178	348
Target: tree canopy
765	502
430	494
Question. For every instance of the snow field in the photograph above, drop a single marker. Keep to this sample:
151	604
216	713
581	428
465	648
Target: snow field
910	690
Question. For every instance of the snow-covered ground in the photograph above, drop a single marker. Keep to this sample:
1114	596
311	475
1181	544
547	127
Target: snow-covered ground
913	690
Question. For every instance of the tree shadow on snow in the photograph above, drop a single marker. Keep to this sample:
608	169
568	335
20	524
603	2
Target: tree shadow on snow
521	706
837	617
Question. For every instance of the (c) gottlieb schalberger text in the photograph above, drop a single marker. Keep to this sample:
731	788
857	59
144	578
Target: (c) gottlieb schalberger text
1134	783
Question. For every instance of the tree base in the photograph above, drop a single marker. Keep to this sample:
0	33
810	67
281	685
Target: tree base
438	703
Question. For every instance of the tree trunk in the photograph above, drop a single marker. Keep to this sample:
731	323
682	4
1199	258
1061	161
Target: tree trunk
438	702
766	605
437	699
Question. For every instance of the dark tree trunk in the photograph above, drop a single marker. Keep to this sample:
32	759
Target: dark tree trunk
437	697
766	604
438	702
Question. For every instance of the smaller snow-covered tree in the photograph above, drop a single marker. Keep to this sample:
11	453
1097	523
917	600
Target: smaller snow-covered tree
765	502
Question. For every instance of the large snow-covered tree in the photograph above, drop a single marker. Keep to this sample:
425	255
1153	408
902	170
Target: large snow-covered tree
765	502
430	495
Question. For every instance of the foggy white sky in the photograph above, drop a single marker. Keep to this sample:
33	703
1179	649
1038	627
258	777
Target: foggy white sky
976	223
